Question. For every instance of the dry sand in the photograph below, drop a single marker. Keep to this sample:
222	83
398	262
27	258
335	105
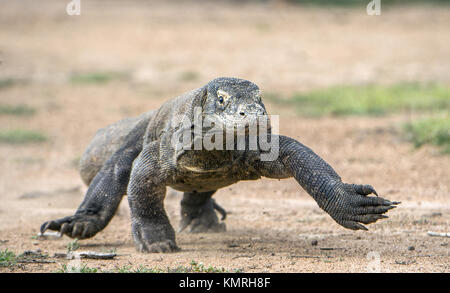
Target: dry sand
167	49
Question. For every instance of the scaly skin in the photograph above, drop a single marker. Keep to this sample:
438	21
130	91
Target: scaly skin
137	157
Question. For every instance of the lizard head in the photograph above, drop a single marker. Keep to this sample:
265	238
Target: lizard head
233	101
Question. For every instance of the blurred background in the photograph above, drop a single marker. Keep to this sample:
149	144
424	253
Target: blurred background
370	94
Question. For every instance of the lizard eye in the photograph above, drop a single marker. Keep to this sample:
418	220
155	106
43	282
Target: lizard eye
222	96
221	100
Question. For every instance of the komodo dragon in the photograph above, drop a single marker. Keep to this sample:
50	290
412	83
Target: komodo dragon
138	157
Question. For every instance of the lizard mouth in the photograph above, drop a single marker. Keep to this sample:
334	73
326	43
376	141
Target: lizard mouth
239	126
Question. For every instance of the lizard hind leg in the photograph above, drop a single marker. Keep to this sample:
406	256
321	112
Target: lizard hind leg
198	212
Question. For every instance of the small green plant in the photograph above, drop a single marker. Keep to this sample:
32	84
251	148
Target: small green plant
21	136
142	269
124	270
82	269
201	268
7	258
197	267
17	110
432	130
73	245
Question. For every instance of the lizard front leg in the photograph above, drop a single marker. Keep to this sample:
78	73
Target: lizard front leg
151	228
348	204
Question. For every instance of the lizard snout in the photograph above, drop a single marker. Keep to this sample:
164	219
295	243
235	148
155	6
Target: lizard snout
247	111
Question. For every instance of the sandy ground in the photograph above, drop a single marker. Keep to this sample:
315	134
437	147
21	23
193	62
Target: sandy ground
167	49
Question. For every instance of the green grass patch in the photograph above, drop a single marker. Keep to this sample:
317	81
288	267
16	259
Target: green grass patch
433	130
17	110
81	269
140	269
73	245
10	82
7	258
100	77
369	99
193	267
21	136
196	267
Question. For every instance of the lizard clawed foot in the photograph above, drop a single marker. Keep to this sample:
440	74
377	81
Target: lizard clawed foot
202	218
154	237
351	206
79	226
158	247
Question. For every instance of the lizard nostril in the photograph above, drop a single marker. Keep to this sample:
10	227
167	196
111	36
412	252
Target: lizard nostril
242	113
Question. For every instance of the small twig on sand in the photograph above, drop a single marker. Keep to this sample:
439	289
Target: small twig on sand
304	256
244	255
437	234
331	248
310	256
49	234
60	255
97	255
87	254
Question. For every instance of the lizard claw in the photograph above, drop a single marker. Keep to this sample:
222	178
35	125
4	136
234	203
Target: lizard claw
77	226
351	207
364	189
